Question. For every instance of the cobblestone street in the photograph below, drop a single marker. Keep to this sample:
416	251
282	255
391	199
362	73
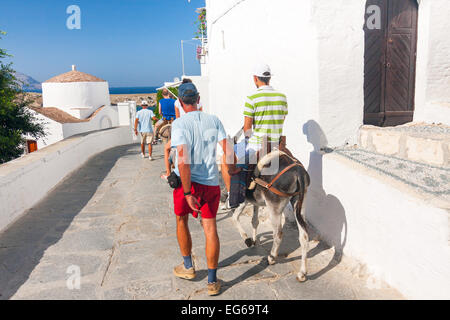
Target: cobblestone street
113	219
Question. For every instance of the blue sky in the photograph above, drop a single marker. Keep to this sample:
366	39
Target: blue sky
126	42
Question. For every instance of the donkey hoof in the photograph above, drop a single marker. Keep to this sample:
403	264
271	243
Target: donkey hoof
249	242
271	260
301	277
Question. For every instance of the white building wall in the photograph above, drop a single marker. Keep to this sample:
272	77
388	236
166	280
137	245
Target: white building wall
106	118
280	34
202	84
315	50
402	238
124	113
432	103
53	131
340	40
66	96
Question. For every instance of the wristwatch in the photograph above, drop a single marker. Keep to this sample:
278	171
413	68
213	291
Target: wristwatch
187	193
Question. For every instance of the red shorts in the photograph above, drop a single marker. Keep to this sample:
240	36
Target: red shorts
207	196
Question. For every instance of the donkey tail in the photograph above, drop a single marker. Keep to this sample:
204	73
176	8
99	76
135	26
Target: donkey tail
298	210
303	184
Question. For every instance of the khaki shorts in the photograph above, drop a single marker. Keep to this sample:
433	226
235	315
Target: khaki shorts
146	137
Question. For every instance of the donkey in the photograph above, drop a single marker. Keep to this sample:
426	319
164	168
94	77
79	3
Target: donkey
165	132
290	186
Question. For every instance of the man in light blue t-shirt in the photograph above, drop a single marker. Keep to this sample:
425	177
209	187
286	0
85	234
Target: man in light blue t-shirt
195	136
143	125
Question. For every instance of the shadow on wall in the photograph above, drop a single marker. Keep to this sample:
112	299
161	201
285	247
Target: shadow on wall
23	244
324	211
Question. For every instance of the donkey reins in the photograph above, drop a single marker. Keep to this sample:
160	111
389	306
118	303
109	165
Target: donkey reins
269	186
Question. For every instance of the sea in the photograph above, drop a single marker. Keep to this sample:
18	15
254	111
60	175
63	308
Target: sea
122	90
132	90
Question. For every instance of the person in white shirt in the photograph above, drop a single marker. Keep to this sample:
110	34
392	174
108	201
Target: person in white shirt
143	125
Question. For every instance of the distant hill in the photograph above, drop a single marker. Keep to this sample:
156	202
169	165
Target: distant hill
28	83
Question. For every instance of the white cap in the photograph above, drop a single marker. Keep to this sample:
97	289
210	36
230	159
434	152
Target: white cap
144	103
262	70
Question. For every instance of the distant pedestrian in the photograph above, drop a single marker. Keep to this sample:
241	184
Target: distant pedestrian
166	110
143	125
195	136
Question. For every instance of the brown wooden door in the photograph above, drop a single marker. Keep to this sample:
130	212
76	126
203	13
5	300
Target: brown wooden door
374	61
390	60
32	146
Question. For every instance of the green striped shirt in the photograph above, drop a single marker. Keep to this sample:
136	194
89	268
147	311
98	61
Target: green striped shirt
268	109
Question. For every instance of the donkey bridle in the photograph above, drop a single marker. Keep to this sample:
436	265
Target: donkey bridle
269	186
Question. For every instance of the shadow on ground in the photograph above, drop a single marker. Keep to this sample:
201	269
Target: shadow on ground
24	243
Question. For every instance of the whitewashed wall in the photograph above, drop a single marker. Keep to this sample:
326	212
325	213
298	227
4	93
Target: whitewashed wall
25	181
65	96
278	34
340	39
53	130
401	236
106	118
315	50
432	102
202	84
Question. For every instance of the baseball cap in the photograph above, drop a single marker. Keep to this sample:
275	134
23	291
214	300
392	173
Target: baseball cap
262	70
144	103
187	90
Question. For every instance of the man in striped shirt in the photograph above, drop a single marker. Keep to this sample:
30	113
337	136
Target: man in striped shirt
264	113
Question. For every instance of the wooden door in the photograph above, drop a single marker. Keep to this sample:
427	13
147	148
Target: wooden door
390	60
31	146
374	61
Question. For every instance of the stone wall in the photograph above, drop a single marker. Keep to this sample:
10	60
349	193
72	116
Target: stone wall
408	142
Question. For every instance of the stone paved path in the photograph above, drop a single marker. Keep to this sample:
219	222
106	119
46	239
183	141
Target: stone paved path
113	220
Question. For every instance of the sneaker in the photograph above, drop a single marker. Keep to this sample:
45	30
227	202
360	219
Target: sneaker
142	155
150	158
214	288
183	273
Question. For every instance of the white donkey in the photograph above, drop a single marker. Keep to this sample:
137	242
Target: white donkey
289	183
